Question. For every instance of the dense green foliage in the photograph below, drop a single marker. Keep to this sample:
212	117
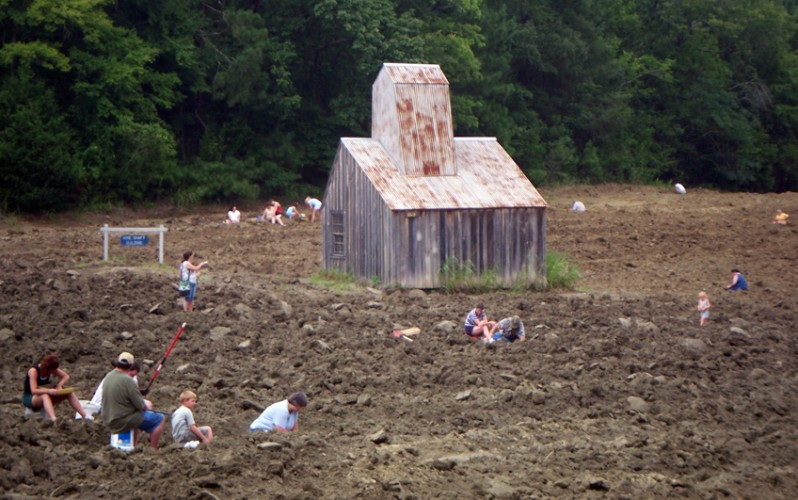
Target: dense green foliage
123	102
560	271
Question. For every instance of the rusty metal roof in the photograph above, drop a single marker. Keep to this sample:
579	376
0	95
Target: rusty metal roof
487	177
413	119
415	73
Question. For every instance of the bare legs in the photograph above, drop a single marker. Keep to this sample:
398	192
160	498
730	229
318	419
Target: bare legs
49	403
155	435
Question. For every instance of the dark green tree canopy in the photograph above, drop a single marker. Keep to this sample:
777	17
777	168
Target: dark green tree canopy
125	102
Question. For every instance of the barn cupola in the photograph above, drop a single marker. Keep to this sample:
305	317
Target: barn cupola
412	118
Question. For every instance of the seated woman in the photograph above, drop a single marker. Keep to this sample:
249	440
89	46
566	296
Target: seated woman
233	216
273	213
37	397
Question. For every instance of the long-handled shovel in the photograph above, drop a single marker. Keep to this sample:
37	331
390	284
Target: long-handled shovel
160	365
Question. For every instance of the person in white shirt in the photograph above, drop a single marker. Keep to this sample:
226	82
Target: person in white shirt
233	216
281	416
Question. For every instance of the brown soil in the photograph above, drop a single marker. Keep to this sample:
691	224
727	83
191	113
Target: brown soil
617	393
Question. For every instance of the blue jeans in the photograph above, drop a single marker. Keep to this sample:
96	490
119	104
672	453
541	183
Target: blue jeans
151	421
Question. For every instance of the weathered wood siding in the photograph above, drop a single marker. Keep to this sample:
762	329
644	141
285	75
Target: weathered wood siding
408	248
510	242
350	192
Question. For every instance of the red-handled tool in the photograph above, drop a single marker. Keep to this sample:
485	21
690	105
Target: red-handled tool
160	365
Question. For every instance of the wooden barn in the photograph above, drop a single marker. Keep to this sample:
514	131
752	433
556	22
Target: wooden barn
400	205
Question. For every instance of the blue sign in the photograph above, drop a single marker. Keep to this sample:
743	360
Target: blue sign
134	240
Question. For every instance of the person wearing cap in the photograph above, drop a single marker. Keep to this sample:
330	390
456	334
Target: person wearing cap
509	329
281	416
36	396
123	406
96	402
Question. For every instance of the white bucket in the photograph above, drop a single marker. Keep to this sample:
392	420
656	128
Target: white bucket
123	441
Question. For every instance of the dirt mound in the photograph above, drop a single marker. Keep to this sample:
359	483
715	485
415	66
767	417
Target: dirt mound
617	392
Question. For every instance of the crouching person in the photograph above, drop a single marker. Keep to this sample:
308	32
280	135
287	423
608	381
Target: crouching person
123	406
281	416
184	428
509	329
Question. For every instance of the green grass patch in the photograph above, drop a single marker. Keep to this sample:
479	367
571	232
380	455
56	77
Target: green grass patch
459	276
560	271
333	278
158	266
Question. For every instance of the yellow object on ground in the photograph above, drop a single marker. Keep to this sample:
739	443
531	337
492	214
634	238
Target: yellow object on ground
781	217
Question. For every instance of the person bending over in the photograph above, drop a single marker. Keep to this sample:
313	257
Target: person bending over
282	416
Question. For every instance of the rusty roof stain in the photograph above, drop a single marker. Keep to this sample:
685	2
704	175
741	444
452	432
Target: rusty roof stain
487	177
415	162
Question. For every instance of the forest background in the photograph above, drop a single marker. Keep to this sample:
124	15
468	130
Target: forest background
138	101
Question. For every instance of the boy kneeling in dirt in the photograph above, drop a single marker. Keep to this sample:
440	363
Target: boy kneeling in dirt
184	428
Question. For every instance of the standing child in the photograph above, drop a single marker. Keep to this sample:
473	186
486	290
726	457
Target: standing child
184	429
188	275
703	307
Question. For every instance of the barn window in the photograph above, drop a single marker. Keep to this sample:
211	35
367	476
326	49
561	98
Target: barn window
338	231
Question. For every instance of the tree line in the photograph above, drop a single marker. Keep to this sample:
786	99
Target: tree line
207	101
